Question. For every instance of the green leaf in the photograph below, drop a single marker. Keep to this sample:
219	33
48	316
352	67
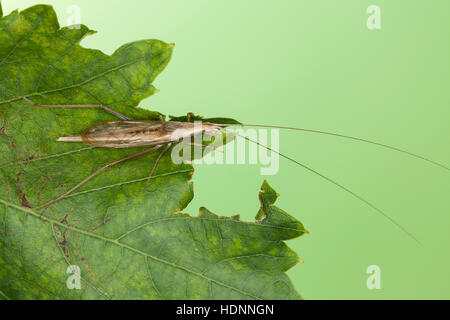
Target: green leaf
128	241
200	118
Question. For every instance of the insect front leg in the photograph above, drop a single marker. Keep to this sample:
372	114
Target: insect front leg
105	108
156	163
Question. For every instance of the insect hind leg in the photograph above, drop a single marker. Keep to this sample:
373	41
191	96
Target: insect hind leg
105	108
98	171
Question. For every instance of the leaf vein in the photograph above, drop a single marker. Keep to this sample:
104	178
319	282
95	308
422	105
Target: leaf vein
119	67
98	237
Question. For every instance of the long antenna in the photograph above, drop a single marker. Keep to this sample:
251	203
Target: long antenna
348	137
336	184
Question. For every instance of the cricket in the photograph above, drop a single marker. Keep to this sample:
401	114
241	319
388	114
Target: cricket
161	135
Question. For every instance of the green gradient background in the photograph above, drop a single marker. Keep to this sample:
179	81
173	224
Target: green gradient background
315	64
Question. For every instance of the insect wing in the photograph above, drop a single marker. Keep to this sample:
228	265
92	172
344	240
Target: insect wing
122	134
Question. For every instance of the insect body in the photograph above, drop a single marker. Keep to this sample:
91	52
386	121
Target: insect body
127	133
130	133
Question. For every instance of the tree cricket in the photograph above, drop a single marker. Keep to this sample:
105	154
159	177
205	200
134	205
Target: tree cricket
129	133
